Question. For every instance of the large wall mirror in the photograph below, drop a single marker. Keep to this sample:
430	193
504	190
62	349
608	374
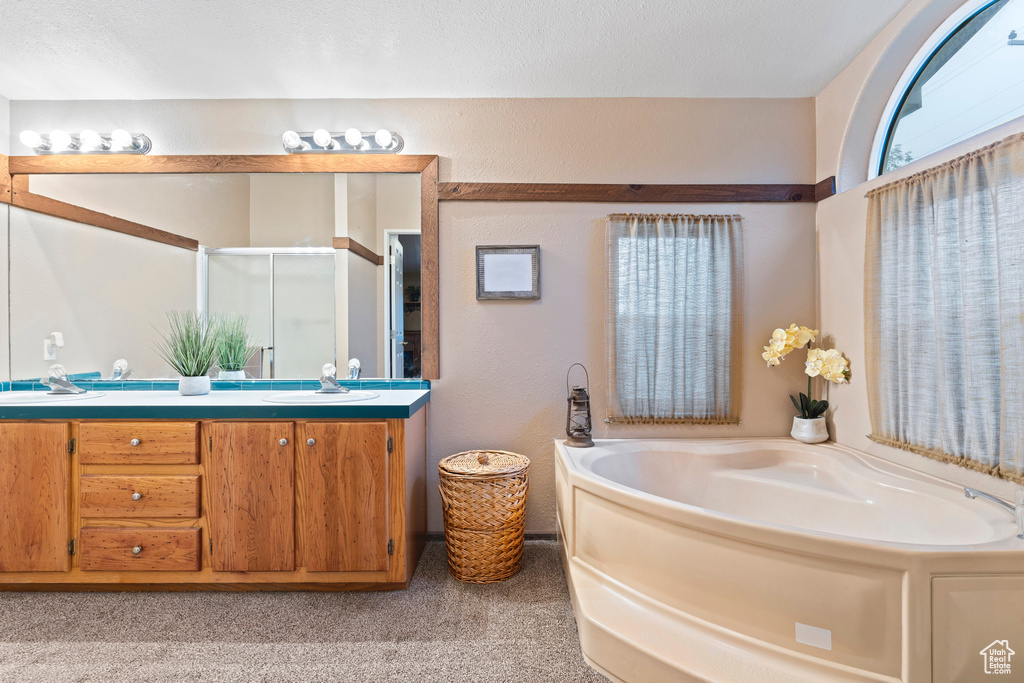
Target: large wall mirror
326	264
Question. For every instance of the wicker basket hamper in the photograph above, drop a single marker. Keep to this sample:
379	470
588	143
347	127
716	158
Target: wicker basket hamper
484	498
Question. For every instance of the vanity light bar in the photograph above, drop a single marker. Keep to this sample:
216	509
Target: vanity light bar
87	142
352	141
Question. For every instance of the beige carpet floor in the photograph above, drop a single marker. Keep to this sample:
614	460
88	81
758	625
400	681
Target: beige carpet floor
438	630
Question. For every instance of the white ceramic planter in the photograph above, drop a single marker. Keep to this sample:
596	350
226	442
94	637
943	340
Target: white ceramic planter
194	386
231	374
809	431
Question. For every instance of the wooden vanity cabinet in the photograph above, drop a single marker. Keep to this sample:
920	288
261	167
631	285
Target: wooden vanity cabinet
343	495
34	496
250	470
216	504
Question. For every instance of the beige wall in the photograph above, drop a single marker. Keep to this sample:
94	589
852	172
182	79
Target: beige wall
363	322
503	363
104	291
211	208
847	108
291	210
359	331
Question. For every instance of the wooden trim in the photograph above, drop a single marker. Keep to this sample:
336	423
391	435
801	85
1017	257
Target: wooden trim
617	194
222	163
430	350
5	180
358	249
825	189
24	199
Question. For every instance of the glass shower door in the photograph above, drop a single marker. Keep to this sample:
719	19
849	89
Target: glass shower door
303	314
288	299
241	283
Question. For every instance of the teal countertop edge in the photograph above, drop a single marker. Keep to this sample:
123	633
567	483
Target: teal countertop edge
90	383
264	411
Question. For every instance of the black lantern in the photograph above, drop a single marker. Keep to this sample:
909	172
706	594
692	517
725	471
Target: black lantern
577	422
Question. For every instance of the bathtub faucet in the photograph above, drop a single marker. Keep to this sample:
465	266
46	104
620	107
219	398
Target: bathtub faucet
1016	510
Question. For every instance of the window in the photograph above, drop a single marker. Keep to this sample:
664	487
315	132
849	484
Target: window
969	80
673	316
944	311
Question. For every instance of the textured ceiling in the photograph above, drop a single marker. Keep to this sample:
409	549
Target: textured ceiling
201	49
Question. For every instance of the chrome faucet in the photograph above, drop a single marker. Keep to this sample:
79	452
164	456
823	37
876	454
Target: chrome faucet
329	381
59	383
120	371
1016	510
354	368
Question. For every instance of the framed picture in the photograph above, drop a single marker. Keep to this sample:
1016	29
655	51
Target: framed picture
511	272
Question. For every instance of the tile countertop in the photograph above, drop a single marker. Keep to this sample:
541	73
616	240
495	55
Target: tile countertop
217	405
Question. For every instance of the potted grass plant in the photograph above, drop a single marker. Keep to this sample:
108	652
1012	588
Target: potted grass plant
189	346
235	346
809	423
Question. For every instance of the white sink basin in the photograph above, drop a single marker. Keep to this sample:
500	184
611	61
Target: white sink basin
312	397
26	397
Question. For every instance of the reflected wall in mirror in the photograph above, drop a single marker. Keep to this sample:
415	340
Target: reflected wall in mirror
325	267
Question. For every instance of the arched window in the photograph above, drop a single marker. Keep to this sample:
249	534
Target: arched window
967	79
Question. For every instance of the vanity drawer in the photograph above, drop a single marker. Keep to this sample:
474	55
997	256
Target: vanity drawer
139	549
138	443
112	496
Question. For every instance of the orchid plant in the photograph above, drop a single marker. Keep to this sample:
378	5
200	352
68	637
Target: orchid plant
829	364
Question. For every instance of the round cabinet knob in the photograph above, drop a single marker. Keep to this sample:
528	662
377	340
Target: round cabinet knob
310	442
283	442
136	496
136	550
135	442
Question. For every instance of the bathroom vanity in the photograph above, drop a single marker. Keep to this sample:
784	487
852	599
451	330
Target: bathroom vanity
153	490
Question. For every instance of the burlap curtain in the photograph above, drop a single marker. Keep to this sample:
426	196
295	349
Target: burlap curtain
673	318
945	311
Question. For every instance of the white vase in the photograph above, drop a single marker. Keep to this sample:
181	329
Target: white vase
813	430
231	374
194	386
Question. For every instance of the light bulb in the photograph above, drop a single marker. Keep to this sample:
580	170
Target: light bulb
32	139
59	140
353	137
291	140
383	137
322	137
91	140
122	139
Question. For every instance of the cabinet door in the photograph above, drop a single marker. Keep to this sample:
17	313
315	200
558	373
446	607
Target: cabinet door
250	471
344	495
34	497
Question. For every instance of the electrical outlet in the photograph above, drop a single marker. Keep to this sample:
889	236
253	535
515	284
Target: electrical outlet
49	350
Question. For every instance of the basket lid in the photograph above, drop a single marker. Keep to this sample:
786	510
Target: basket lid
484	463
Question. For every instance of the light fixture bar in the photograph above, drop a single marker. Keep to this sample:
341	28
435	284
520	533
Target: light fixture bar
86	142
351	141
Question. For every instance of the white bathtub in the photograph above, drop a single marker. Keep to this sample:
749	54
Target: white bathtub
769	560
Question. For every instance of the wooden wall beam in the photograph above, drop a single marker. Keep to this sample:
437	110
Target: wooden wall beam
222	163
359	250
825	189
619	194
430	349
21	197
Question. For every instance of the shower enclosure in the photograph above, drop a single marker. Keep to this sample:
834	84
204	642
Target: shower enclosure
288	296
